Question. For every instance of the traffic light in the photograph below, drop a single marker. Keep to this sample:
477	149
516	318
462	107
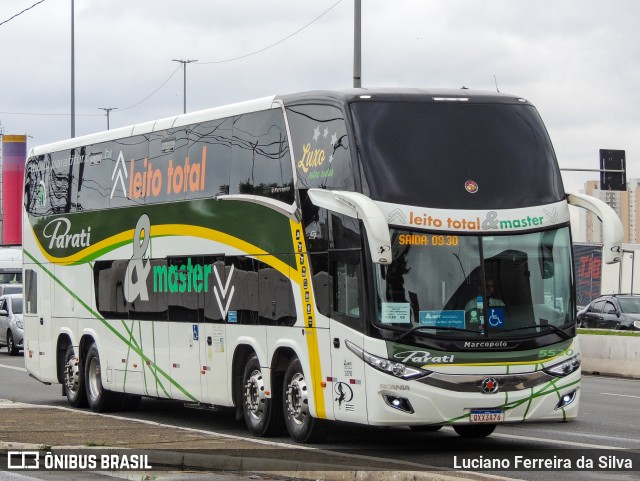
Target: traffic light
613	170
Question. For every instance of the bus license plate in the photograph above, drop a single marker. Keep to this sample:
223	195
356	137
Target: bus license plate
486	416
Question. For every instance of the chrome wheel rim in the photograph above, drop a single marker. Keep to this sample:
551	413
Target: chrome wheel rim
298	399
72	375
254	397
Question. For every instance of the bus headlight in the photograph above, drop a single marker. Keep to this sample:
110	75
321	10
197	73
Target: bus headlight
564	368
20	324
396	369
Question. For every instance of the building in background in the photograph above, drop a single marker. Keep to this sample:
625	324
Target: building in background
625	203
13	153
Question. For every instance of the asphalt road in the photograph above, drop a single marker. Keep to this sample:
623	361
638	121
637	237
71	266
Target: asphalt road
608	420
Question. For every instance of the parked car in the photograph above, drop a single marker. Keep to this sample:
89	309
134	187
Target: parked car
10	289
11	324
616	311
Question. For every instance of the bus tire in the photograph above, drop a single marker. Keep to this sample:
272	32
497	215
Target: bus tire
100	399
474	430
302	427
11	345
261	414
73	379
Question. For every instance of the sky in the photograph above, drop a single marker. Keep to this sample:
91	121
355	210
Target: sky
577	61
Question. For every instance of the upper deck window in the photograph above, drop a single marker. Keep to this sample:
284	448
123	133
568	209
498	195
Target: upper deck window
425	153
321	147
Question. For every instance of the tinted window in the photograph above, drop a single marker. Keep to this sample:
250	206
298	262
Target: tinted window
31	290
35	177
321	147
211	146
131	154
597	306
423	154
59	188
609	308
94	187
261	163
170	174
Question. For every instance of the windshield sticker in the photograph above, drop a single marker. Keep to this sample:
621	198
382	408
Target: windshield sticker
395	313
314	154
496	317
442	319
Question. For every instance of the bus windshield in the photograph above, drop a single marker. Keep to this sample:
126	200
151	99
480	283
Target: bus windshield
422	153
507	286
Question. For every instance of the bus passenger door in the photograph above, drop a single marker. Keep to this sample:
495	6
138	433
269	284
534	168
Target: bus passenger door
38	351
348	377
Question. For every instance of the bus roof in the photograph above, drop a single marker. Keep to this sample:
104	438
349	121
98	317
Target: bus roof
406	94
342	96
156	125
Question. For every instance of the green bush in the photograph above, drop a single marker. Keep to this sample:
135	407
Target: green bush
608	332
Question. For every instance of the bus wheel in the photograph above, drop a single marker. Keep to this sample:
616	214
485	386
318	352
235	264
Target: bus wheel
302	427
11	345
260	416
73	380
100	399
474	430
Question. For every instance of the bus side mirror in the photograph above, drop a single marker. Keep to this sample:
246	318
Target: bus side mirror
359	206
612	230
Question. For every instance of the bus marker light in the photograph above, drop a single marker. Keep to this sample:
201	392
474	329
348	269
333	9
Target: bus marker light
323	384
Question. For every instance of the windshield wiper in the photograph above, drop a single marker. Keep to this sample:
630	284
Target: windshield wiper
555	329
443	328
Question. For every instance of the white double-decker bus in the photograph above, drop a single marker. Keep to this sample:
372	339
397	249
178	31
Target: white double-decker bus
383	257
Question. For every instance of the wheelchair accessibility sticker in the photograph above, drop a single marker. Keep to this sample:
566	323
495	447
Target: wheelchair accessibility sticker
496	317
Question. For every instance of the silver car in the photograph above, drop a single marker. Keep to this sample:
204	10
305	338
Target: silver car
11	324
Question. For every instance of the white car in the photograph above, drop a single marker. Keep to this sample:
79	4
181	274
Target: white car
11	324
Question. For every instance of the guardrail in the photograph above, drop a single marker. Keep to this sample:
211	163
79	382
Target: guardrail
610	355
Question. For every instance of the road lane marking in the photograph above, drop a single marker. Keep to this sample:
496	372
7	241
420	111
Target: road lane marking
621	395
14	367
563	442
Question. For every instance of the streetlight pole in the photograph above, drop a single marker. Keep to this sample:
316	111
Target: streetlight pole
184	67
107	110
73	80
357	47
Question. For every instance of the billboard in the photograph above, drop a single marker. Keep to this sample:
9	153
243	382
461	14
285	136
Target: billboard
587	263
14	154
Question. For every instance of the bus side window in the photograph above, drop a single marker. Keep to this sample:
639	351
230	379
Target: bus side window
30	291
321	147
60	193
261	162
182	179
37	172
345	269
123	190
244	300
95	187
210	144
